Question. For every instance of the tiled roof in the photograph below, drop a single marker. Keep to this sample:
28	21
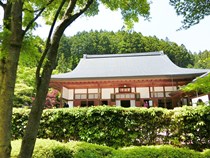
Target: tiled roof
127	65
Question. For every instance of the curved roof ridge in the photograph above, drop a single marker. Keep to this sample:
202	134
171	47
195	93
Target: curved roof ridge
127	65
87	56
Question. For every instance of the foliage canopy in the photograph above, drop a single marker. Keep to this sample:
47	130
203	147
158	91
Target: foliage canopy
103	42
201	84
192	11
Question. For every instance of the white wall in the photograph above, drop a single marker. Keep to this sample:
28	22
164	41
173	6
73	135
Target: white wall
65	93
71	104
118	102
106	92
158	89
204	98
92	90
144	92
133	103
71	94
170	88
80	91
68	94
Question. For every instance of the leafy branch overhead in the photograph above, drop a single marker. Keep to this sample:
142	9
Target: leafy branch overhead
193	11
201	84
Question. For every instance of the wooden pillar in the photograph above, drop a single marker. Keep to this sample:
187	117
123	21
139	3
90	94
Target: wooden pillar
74	97
99	95
87	97
61	98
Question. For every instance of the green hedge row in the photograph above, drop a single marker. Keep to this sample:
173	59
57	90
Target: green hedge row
192	126
53	149
118	127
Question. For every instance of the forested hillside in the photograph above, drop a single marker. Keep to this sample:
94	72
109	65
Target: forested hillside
103	42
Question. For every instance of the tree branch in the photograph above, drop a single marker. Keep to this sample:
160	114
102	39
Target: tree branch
48	42
70	8
82	10
31	11
54	21
36	17
2	4
68	18
32	21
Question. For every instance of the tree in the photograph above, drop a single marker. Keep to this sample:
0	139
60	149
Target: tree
10	45
19	17
192	11
201	84
63	64
24	86
103	42
202	60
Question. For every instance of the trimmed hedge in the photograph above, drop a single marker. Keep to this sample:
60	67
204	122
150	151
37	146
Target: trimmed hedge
53	149
109	126
157	152
192	126
119	127
45	148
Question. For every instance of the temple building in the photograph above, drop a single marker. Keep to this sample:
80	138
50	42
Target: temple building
127	80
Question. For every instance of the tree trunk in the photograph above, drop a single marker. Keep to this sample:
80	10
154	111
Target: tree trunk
9	56
7	77
30	135
31	132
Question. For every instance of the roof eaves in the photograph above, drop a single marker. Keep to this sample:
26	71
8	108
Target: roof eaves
87	56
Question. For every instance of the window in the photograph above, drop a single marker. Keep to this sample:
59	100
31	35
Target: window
80	96
93	96
125	96
124	89
157	94
85	96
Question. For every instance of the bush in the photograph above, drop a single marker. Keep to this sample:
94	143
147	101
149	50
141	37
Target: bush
19	122
192	126
46	148
109	126
206	153
156	152
53	149
120	127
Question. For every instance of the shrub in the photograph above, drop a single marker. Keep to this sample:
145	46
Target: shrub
53	149
110	126
19	122
206	153
192	126
156	152
119	127
46	148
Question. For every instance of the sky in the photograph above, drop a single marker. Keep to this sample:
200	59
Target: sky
163	24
